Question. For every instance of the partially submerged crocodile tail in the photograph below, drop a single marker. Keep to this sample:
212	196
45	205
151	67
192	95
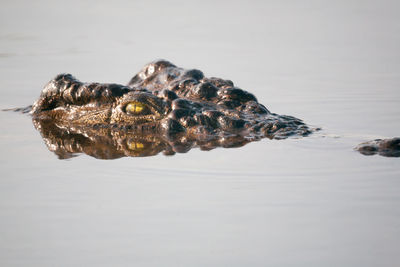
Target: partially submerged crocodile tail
384	147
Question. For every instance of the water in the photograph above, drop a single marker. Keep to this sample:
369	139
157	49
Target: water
298	202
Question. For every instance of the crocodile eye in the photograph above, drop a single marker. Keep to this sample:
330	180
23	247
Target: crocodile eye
135	146
135	108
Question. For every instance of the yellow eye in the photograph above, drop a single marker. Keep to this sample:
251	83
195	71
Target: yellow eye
135	108
135	146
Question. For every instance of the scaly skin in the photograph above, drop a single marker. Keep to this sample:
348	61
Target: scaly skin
174	100
384	147
163	108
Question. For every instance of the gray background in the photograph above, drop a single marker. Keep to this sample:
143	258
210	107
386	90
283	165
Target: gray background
297	202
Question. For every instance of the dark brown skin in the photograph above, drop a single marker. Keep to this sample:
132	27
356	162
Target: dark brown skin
108	143
171	100
163	108
383	147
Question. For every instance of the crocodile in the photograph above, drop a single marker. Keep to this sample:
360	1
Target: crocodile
385	147
163	108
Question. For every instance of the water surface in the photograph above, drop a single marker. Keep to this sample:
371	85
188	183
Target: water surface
298	202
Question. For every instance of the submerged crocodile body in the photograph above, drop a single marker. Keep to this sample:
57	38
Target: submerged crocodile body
163	108
384	147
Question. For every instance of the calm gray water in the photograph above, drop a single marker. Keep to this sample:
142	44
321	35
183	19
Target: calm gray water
298	202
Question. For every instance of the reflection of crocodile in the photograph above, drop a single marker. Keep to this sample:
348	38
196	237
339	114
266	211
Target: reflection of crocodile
163	108
109	143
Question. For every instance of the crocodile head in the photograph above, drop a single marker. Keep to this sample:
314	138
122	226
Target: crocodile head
165	102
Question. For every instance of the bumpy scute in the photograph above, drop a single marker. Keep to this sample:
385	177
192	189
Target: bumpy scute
165	102
384	147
